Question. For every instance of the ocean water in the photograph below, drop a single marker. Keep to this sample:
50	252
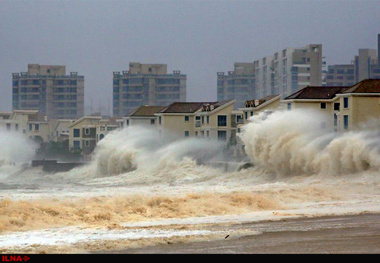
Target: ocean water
144	189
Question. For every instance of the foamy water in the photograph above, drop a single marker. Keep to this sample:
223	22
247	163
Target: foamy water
141	188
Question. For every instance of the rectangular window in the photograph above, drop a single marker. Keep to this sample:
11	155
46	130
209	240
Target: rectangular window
222	120
345	122
208	119
8	126
187	133
159	120
37	127
30	127
76	133
289	106
16	126
239	119
87	131
76	145
336	106
345	103
222	135
323	105
152	121
187	118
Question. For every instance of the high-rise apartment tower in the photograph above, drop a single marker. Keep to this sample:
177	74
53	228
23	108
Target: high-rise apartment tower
48	89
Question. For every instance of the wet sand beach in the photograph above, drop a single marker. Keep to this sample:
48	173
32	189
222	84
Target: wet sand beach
356	234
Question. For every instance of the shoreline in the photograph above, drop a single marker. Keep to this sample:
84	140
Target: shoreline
346	234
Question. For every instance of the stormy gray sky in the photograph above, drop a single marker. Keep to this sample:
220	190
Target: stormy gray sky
200	38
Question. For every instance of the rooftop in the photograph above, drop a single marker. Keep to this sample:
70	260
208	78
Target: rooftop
365	86
256	103
191	107
146	111
316	92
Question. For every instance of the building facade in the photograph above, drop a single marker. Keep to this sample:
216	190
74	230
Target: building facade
87	131
48	89
359	106
341	75
30	123
236	85
209	120
142	116
146	84
365	65
284	72
288	71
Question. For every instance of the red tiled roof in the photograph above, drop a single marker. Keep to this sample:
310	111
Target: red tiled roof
365	86
316	92
147	111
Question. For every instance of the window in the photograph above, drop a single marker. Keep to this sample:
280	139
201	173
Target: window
239	119
222	120
335	120
187	118
336	106
87	131
345	122
159	120
76	133
222	135
323	105
187	133
345	103
37	127
76	145
8	126
208	119
30	127
289	106
152	121
196	133
16	126
87	143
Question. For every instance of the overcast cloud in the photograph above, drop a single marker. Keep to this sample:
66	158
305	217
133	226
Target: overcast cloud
200	38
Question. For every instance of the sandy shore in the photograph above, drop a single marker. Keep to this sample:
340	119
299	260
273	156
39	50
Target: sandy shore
343	234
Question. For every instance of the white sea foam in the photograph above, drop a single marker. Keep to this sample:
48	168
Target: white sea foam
139	178
292	143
